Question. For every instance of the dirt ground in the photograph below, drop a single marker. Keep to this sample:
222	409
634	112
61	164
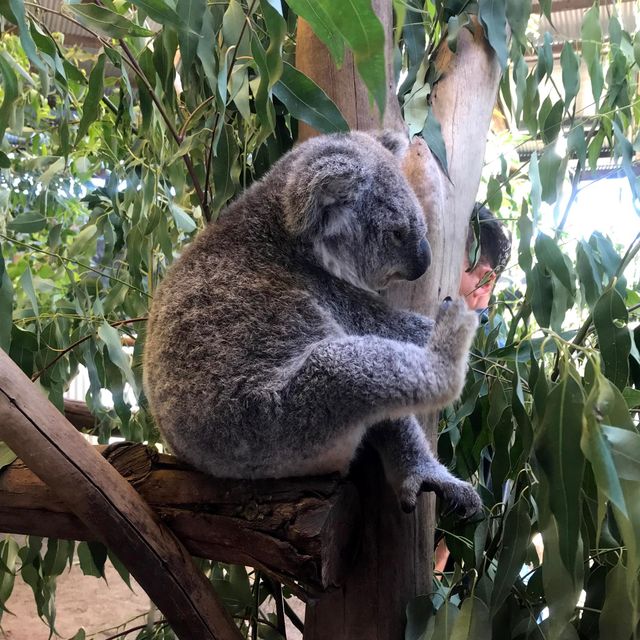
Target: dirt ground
85	601
81	601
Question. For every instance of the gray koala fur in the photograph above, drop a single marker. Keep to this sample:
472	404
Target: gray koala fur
269	351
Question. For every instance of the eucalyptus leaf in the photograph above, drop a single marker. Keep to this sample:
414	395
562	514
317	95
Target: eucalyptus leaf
610	318
492	14
106	22
10	94
306	101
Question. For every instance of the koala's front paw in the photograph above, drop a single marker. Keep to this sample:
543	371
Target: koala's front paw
448	349
455	326
460	496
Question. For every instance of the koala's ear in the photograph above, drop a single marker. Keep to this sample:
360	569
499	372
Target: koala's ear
394	141
320	193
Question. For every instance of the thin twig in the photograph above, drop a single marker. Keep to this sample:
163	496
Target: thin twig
62	353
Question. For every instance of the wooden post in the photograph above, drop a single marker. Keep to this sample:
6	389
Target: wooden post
395	561
110	508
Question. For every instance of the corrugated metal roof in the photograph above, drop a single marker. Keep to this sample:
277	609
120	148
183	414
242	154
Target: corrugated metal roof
53	16
567	24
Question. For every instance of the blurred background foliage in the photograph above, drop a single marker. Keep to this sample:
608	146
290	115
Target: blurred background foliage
118	144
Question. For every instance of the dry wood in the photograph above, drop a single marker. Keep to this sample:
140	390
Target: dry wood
300	530
109	507
78	414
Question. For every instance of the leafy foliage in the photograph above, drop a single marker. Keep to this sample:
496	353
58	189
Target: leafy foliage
110	161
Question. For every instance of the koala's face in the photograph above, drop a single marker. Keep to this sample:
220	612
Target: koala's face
392	243
358	213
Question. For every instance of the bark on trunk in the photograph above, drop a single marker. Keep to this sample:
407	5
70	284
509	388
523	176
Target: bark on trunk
395	561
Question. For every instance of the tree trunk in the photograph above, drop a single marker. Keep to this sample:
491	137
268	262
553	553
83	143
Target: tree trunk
395	560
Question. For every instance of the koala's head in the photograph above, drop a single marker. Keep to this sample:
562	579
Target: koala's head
347	201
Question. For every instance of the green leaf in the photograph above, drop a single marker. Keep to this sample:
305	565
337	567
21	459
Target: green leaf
84	242
419	611
550	175
26	282
598	452
591	38
161	12
559	441
95	93
17	9
492	14
550	125
6	307
545	7
264	104
432	134
518	12
233	33
536	186
189	38
539	283
632	397
106	22
544	67
473	621
123	572
92	556
357	23
6	457
183	220
577	143
550	256
277	29
111	339
307	102
10	90
515	540
610	319
224	179
28	222
570	73
625	447
322	25
587	268
414	38
494	194
8	557
619	617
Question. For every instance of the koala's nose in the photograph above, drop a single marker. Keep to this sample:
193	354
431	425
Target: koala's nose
422	259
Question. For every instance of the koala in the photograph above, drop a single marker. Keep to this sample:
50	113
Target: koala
271	353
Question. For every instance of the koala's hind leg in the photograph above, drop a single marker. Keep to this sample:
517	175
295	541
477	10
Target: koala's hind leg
411	467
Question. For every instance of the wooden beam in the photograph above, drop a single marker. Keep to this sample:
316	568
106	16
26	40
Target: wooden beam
302	531
109	508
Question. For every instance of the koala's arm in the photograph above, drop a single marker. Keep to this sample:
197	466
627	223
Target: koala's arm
377	318
377	377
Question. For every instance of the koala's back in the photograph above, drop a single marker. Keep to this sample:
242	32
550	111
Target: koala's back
228	322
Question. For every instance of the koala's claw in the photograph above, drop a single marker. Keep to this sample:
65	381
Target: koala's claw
461	498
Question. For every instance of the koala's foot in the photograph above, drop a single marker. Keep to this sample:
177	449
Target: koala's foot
460	496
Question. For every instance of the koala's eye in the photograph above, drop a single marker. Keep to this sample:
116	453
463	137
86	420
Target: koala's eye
397	237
